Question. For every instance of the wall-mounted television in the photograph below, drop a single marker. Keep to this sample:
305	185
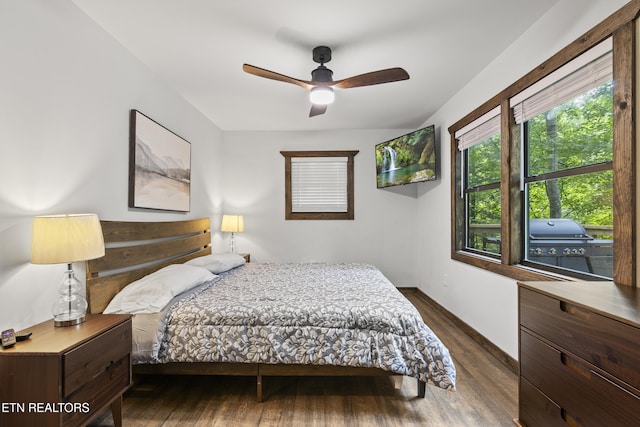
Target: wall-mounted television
407	158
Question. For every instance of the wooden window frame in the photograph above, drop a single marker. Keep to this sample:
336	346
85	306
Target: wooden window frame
621	27
290	215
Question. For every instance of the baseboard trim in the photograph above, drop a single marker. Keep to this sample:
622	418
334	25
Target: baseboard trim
494	350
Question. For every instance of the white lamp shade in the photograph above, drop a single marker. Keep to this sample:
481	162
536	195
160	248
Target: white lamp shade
232	224
321	95
60	239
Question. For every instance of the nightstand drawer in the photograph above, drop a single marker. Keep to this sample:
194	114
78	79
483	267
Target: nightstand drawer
604	342
575	385
95	357
99	391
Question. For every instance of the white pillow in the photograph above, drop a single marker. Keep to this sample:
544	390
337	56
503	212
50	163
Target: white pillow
154	291
218	263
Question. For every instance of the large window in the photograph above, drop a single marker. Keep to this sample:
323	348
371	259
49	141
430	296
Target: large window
319	184
552	194
567	130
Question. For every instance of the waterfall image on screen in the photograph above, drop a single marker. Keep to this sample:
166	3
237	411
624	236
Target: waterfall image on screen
407	158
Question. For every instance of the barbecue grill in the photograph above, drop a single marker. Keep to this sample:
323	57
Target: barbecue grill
565	243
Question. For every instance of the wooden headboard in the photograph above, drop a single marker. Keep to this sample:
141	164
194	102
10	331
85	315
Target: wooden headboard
135	249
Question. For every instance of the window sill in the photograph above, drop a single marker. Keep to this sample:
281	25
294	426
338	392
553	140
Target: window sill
517	272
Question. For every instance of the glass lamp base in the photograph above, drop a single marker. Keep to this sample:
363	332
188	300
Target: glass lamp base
71	307
232	244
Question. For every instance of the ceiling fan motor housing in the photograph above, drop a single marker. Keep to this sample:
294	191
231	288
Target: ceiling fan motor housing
322	74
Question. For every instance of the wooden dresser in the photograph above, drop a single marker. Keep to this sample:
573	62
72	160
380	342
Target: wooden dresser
66	376
579	354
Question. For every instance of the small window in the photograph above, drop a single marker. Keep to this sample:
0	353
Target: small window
319	184
479	144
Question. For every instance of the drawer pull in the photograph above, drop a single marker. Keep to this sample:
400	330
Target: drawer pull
574	311
568	419
575	366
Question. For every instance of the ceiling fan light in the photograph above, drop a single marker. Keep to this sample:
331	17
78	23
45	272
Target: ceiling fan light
321	95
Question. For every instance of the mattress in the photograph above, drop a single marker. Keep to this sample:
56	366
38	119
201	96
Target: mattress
312	313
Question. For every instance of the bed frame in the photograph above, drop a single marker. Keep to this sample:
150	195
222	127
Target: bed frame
135	249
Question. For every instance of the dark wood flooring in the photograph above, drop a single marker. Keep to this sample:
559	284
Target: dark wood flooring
486	395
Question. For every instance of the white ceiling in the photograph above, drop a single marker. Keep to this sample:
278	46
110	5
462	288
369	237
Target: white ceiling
198	47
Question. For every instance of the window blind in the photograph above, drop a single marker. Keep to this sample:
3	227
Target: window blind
475	132
319	184
478	130
586	72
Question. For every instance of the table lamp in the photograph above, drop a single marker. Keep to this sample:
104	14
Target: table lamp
58	239
232	224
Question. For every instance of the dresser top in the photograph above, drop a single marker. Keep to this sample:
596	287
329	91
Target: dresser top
618	302
46	338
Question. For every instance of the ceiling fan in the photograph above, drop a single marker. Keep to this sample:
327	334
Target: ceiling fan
321	85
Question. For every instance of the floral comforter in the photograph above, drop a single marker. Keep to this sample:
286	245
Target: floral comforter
322	314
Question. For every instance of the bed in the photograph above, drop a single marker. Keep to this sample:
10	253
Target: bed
261	320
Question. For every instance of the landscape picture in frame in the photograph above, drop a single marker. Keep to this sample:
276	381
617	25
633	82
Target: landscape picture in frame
159	166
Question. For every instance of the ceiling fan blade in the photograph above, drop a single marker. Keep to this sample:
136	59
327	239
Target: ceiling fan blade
261	72
317	109
373	78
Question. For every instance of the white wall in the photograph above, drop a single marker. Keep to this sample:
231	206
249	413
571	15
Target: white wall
66	89
383	232
484	300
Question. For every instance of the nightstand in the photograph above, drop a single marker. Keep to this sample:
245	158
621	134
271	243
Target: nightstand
66	376
247	257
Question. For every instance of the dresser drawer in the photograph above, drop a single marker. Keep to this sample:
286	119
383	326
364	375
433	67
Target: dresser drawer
99	392
576	386
602	341
93	358
536	409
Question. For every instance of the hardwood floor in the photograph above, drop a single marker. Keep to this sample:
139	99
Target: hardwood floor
486	395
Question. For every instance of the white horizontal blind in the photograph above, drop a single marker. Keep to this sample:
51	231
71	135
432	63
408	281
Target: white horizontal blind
319	184
475	132
478	130
586	72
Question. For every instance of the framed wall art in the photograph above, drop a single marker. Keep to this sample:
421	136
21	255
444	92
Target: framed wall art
159	166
